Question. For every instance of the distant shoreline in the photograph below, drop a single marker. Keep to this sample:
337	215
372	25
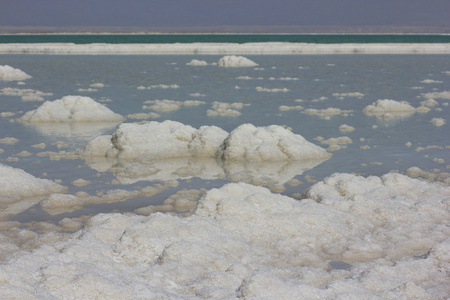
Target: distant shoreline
215	33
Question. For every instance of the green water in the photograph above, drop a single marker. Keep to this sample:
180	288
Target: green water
223	38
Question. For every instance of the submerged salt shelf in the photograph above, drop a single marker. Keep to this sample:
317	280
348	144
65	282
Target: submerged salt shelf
222	48
205	189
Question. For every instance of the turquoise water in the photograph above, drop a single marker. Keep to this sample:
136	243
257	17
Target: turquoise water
224	38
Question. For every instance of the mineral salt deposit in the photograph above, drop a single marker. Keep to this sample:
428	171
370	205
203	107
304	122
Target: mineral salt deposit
71	109
390	109
9	73
353	237
235	61
20	190
171	139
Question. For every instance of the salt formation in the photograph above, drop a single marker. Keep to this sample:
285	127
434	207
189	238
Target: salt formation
71	109
168	139
196	62
376	237
225	48
171	139
20	190
272	143
438	122
235	61
389	109
9	73
25	94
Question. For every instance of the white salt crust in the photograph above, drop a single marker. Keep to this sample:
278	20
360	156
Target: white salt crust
235	61
171	139
353	238
20	190
71	109
9	73
223	48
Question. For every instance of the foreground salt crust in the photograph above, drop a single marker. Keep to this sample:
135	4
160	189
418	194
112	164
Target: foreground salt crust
71	109
20	190
9	73
171	139
235	61
359	238
223	48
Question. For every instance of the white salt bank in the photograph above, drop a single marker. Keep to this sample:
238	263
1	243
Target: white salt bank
9	73
171	139
71	109
235	61
354	238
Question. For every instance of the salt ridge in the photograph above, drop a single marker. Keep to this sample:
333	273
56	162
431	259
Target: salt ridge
223	48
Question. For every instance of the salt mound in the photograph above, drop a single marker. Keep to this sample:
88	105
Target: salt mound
235	61
196	62
16	183
243	241
272	143
9	73
20	190
389	109
168	139
171	139
71	109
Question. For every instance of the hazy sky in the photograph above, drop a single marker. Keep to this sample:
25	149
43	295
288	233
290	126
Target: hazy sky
210	13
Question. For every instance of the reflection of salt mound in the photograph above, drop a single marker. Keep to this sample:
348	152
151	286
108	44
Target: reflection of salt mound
245	242
389	109
235	61
71	109
20	190
272	143
171	139
81	130
9	73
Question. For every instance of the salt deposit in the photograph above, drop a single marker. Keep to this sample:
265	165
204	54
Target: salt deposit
437	95
376	237
71	109
224	48
224	109
271	143
171	139
235	61
389	109
196	62
438	122
274	90
9	73
169	105
327	113
168	139
25	94
20	190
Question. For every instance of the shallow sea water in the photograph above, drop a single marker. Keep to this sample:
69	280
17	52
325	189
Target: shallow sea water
312	81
